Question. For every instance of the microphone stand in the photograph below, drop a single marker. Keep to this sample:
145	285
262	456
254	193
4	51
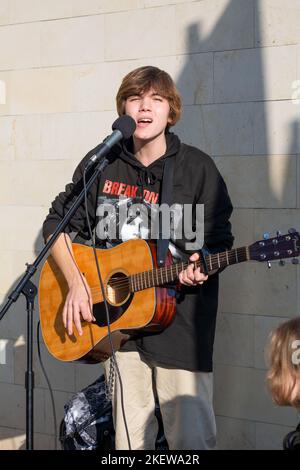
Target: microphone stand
26	287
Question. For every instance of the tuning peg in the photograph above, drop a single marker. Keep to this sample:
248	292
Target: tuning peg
269	264
281	262
295	261
278	233
292	230
266	235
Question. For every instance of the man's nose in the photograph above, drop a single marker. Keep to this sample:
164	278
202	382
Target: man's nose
145	104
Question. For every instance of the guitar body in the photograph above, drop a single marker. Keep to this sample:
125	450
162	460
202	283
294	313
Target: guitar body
150	309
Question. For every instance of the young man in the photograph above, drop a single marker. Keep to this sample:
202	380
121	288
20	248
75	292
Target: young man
178	361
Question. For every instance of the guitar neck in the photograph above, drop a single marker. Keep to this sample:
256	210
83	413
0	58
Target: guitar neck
167	274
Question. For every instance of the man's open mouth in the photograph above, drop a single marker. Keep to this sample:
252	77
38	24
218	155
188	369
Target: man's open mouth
144	122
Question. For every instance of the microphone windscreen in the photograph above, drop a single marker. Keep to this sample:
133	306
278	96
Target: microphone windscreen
126	125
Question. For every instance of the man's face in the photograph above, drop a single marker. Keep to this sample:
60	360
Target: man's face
151	113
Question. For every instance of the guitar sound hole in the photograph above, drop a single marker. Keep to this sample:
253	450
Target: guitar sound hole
117	289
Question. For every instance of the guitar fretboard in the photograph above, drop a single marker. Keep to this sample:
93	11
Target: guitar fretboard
168	274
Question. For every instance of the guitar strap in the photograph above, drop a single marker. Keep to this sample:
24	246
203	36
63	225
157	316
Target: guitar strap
166	198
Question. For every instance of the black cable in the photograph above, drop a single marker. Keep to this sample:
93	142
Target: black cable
104	299
106	310
48	382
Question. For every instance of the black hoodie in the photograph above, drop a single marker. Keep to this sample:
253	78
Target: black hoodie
188	342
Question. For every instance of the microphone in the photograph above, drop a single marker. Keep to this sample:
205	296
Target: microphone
123	128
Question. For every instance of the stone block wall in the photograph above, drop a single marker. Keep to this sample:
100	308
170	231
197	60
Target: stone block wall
236	64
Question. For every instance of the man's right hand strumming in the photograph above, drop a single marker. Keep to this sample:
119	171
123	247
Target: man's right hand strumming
79	304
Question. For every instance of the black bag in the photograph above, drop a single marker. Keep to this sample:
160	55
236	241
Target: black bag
292	440
88	422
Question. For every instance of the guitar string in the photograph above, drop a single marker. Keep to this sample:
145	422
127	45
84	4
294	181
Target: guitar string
172	267
167	270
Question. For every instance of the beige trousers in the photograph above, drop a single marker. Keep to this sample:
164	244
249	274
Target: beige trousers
185	400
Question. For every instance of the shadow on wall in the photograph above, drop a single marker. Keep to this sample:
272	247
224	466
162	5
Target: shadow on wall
235	121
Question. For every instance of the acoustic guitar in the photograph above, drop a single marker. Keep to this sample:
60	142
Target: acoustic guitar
140	295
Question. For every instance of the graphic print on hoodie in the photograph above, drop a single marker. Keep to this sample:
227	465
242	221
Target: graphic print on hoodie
119	223
128	203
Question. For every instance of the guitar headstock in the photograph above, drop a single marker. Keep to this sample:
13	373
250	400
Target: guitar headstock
277	248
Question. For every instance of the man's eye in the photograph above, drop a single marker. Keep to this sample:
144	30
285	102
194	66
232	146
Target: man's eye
157	98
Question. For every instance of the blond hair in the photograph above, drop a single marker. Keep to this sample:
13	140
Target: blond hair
283	377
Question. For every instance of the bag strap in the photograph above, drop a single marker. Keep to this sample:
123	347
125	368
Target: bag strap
166	198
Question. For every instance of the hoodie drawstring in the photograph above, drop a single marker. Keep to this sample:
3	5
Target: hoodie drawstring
145	177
